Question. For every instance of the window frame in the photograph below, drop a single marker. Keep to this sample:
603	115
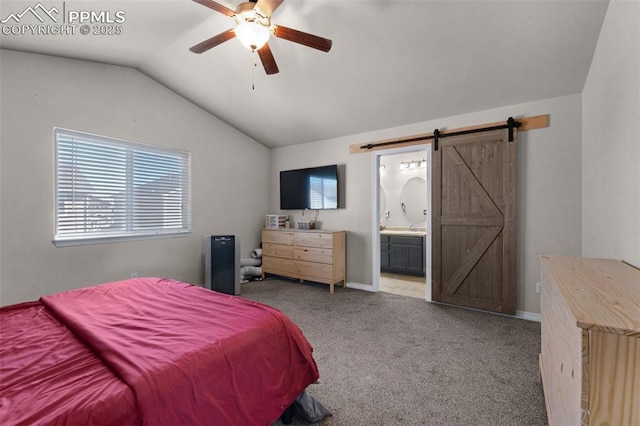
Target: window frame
127	235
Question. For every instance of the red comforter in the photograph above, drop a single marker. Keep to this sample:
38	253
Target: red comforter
190	355
48	377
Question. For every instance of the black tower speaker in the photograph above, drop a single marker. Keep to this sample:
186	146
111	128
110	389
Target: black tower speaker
222	264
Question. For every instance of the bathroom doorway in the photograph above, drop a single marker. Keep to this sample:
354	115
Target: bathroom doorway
401	238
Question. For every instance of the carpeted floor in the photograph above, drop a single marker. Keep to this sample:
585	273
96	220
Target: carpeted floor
386	359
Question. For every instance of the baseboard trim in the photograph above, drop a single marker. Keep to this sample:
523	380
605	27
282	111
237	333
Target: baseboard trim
529	316
359	286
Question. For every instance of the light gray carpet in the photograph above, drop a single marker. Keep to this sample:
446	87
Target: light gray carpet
386	359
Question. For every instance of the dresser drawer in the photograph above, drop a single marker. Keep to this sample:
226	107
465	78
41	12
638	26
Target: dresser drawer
314	270
278	264
318	255
277	250
309	239
277	237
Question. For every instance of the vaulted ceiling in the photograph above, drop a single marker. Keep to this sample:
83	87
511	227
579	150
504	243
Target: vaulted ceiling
392	62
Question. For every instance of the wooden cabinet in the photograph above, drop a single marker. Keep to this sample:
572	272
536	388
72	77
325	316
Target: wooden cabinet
590	358
402	254
385	253
311	255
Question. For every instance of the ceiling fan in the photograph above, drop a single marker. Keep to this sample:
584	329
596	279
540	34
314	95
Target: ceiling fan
253	19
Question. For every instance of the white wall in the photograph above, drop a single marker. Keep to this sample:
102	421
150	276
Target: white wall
392	181
39	92
611	139
549	186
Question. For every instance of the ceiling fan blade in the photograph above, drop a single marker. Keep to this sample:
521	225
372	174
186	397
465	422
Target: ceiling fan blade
268	6
213	41
299	37
217	7
268	61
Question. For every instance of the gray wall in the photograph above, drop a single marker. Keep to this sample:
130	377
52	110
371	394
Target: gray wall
549	187
39	92
576	195
611	139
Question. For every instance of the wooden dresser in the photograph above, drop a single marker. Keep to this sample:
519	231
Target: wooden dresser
590	360
312	255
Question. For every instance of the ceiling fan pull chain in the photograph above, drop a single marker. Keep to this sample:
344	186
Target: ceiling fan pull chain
253	76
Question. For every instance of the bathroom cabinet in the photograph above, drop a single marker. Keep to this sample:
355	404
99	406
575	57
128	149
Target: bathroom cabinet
384	252
402	254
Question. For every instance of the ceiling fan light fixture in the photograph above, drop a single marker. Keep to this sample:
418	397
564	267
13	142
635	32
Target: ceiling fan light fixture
254	28
252	35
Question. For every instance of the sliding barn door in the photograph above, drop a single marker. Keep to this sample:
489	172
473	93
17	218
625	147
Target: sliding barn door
474	179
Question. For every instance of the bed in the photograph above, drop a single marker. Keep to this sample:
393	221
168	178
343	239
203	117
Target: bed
149	351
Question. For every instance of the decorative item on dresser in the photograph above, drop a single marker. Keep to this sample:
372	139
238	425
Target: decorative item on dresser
276	221
312	255
590	360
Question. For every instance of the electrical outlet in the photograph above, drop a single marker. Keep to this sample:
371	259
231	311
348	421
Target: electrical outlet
387	214
538	287
134	275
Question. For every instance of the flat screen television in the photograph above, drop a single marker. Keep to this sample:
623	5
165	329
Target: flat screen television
315	188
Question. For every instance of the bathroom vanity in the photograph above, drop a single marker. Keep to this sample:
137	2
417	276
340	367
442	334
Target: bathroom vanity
402	252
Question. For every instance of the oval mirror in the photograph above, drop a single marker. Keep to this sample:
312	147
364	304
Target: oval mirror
413	199
383	202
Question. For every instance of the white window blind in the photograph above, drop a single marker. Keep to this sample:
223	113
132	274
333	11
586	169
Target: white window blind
113	189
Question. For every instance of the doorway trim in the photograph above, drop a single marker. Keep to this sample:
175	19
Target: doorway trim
375	230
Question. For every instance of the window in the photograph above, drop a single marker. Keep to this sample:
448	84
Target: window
109	189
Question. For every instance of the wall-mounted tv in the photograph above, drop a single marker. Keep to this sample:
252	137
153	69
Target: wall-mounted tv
315	188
